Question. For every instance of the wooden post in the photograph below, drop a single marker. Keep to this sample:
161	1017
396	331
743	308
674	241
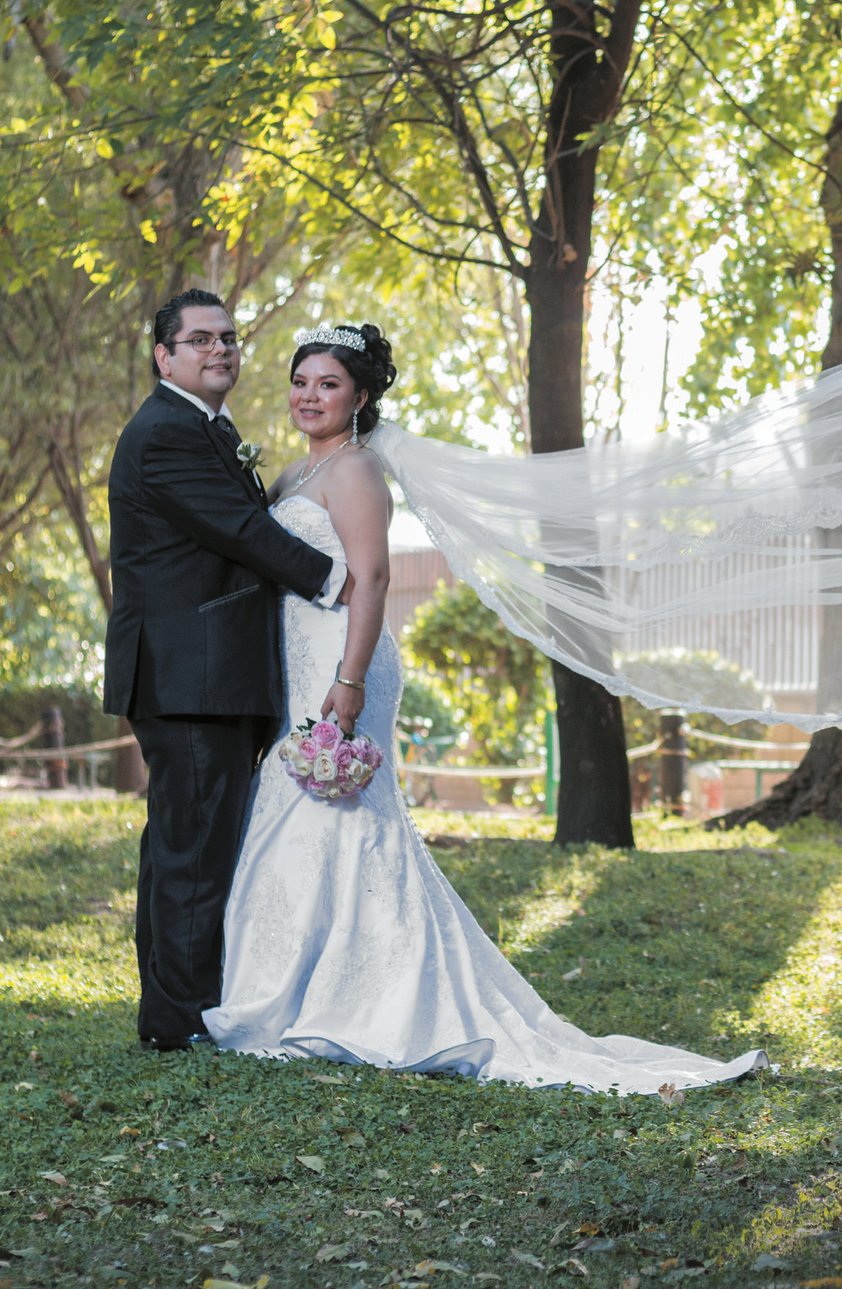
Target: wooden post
673	761
52	724
551	772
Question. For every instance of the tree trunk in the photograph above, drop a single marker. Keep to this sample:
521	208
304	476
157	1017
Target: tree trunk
815	787
594	798
595	802
594	793
130	772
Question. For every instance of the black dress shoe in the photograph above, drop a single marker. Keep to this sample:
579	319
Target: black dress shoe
154	1043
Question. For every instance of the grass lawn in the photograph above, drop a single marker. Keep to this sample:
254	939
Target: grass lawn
122	1167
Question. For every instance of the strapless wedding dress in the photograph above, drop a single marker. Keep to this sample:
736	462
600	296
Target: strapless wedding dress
344	940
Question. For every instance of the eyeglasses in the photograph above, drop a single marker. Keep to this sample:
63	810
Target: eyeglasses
203	343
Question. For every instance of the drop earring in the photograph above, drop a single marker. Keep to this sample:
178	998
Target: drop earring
355	437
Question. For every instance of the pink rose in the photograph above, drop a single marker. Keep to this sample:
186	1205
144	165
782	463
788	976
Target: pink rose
342	754
325	734
308	748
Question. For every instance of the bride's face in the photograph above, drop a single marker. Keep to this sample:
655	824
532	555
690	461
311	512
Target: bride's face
322	397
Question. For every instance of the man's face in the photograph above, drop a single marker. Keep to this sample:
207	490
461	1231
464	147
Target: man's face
209	375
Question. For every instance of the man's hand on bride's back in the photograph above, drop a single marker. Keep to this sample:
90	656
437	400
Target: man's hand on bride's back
347	591
347	703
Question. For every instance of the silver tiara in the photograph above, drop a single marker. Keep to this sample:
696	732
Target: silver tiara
324	335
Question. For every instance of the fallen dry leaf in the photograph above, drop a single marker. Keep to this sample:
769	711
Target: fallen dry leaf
351	1137
334	1252
574	1267
429	1267
260	1283
528	1259
315	1163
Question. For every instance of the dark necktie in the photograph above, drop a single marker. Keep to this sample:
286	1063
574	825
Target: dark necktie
228	427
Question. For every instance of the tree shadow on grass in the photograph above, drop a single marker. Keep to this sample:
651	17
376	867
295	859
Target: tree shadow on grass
673	946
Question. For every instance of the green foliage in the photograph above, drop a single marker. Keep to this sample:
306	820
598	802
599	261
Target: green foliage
55	624
126	1167
710	184
423	705
495	683
737	689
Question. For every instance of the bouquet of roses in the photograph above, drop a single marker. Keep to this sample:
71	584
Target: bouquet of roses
328	763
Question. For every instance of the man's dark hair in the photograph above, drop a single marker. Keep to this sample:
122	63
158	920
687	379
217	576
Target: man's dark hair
168	318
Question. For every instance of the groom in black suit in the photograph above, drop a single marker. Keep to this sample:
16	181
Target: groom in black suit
192	655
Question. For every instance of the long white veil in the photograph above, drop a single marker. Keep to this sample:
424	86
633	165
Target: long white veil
621	560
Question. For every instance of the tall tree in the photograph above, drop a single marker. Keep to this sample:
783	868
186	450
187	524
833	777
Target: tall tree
815	786
449	132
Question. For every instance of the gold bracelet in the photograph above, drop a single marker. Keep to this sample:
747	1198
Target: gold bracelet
352	684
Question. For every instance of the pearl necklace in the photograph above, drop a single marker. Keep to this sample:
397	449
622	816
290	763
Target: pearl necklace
305	478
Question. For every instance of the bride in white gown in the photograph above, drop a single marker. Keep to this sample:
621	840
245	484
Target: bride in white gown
342	937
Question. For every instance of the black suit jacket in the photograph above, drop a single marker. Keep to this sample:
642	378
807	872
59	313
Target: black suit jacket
196	563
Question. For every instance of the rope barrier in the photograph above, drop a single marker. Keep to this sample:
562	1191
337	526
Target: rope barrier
634	753
727	740
475	771
22	739
79	750
12	749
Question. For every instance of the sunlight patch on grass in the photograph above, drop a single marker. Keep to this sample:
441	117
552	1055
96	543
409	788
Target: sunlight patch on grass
75	979
804	998
782	1230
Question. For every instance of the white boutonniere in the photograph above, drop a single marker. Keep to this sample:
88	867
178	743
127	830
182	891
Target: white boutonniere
250	456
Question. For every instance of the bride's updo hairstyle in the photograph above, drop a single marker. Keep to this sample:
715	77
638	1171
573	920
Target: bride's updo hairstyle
366	357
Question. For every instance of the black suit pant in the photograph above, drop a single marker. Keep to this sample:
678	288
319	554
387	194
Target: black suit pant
199	775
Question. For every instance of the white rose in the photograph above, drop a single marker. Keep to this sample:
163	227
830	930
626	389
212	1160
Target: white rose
324	767
355	771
